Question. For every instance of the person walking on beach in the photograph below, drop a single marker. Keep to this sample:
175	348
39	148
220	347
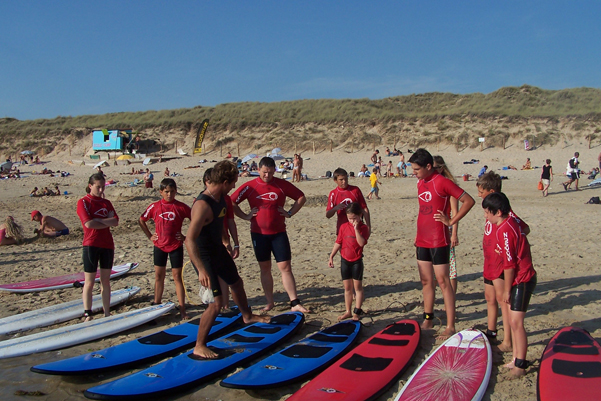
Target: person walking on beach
373	181
546	176
210	258
342	196
168	215
432	241
266	196
350	241
49	226
97	216
573	172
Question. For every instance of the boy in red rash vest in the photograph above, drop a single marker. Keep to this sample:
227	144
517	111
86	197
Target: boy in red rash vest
520	276
342	196
350	241
168	215
494	282
432	241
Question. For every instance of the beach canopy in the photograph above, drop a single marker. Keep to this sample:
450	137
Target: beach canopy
27	152
277	157
125	157
248	157
6	166
276	151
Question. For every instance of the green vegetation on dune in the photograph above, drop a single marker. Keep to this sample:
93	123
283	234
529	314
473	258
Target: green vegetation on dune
510	103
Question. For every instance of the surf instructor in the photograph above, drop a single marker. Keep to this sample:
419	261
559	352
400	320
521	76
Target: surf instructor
210	257
266	196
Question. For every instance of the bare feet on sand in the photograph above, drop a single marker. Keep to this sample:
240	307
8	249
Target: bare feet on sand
257	318
516	373
427	324
346	315
299	308
203	352
448	332
505	348
510	365
268	307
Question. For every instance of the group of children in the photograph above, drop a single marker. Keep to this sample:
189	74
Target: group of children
509	276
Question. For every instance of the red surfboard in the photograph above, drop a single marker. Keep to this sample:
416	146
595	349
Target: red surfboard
368	370
570	368
69	280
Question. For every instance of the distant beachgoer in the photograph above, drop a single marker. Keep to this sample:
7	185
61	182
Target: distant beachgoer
11	233
373	180
148	177
229	155
296	169
374	157
388	154
363	172
34	192
527	165
546	176
49	226
389	169
166	173
573	172
482	171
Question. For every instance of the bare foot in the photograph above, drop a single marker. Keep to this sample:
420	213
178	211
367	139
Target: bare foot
257	318
505	348
88	318
203	352
300	308
448	332
510	365
516	373
427	324
346	315
268	307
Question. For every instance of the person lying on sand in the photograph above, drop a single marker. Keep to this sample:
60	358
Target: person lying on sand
49	226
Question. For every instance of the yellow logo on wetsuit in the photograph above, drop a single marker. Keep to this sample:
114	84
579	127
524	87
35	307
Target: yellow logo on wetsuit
223	212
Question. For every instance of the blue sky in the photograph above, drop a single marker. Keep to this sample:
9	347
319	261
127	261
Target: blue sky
69	58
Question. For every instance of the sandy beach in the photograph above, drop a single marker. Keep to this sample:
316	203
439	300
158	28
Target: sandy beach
564	251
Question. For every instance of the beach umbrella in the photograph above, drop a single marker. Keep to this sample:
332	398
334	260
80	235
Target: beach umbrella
125	157
6	166
27	152
276	151
248	157
277	157
100	164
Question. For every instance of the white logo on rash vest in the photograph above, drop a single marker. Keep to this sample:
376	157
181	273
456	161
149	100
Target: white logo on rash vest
169	216
239	198
506	240
102	212
426	196
487	228
269	196
347	201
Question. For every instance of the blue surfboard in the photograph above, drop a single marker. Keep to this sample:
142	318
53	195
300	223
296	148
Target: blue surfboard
135	352
182	372
299	360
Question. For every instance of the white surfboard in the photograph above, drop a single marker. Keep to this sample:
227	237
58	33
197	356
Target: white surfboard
82	332
59	313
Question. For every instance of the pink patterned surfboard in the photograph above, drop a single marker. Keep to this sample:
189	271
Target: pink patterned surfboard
69	280
458	370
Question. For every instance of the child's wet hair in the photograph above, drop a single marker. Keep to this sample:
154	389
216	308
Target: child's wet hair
490	181
94	178
354	208
167	182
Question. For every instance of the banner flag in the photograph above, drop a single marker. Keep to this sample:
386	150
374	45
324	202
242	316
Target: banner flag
200	135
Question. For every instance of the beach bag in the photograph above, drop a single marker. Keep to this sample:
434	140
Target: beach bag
572	163
594	200
351	174
540	186
328	174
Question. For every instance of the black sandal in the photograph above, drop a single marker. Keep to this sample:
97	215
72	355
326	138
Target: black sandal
88	314
358	312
